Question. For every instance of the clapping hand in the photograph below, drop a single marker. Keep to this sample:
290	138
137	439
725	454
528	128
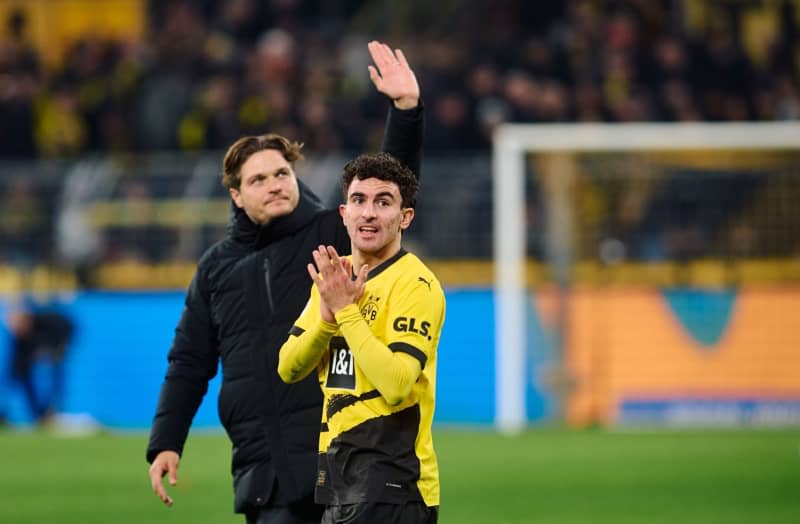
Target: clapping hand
333	277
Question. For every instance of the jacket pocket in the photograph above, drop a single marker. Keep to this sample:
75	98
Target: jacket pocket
253	487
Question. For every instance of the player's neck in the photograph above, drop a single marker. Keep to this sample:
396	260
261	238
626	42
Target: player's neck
375	258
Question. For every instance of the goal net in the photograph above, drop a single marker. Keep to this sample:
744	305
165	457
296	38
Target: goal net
647	273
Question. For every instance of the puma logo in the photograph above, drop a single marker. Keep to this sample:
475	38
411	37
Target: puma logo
427	283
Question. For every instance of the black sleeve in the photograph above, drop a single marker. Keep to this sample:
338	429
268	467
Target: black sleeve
193	360
333	231
403	135
402	138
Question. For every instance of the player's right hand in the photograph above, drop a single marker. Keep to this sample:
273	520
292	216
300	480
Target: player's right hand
165	463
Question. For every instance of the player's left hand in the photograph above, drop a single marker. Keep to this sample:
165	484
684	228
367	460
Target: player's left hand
333	278
392	75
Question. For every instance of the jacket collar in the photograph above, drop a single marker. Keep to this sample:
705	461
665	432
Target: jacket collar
245	231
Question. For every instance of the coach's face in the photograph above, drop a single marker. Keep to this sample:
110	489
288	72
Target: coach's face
375	217
268	187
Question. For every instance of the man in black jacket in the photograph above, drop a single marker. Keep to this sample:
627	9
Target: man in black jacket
246	292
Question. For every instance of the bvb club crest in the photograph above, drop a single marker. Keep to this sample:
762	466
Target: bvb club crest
370	309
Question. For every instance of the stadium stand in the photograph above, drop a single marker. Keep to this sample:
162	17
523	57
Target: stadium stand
128	119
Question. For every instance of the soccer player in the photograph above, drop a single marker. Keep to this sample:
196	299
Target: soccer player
247	291
372	339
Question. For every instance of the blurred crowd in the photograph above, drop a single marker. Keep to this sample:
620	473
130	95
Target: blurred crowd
206	72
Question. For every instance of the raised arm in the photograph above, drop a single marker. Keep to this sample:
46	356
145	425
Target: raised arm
405	124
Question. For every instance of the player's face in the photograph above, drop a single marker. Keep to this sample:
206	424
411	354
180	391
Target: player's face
268	189
374	217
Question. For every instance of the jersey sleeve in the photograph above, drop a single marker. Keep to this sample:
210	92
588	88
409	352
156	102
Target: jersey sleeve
393	365
416	315
308	338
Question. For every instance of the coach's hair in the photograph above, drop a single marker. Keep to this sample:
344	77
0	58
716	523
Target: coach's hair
246	146
382	166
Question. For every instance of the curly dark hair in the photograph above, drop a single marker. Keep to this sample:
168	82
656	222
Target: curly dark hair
382	166
246	146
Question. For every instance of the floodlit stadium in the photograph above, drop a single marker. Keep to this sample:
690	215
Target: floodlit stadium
608	197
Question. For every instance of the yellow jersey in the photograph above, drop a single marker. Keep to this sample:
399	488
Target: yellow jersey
377	370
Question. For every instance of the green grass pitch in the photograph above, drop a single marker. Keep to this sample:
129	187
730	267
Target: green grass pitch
542	476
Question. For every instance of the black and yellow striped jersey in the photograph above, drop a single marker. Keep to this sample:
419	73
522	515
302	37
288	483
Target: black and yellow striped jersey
377	371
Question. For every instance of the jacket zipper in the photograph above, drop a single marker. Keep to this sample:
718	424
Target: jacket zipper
269	286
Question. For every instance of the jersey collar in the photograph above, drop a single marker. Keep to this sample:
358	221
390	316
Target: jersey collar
380	268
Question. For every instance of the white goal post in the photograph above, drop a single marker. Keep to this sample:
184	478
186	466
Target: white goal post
511	144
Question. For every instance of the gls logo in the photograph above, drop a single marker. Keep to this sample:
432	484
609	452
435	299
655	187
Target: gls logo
409	325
